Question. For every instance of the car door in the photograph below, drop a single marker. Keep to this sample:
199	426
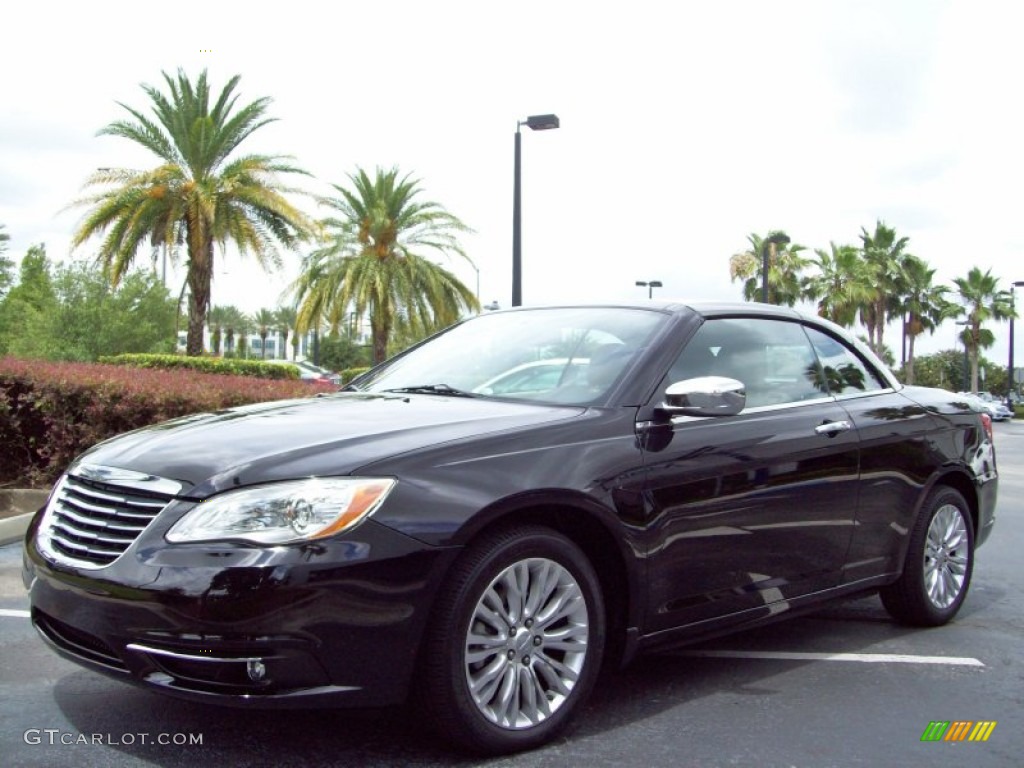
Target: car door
748	511
897	457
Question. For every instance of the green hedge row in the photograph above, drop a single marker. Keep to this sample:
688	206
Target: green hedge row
221	365
350	373
51	412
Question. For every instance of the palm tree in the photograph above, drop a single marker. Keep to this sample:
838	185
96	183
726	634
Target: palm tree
217	319
785	265
245	327
843	283
264	319
923	305
285	318
374	262
983	301
197	195
234	319
884	254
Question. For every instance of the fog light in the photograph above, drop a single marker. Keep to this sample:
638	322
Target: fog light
257	669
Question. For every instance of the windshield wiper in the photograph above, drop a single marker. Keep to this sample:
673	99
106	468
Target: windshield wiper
433	389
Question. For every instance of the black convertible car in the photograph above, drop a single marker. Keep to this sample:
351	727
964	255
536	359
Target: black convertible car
485	520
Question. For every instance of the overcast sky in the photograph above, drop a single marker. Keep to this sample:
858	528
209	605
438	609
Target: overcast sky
685	126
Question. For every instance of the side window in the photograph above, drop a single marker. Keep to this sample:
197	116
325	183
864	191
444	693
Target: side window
773	359
843	370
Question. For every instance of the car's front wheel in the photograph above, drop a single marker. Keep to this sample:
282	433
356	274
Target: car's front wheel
939	563
515	642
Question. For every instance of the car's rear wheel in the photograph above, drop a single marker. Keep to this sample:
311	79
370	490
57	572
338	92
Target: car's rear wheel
515	642
940	560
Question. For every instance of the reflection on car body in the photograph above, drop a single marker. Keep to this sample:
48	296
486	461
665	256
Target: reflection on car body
486	520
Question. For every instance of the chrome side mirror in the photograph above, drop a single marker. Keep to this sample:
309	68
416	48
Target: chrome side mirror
705	396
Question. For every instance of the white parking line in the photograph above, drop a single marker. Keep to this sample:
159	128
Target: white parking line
869	658
14	614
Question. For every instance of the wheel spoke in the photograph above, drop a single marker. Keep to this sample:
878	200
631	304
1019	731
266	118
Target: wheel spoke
495	609
480	648
507	705
562	605
484	682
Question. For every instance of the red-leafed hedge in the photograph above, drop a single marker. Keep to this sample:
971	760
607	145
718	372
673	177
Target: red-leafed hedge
51	412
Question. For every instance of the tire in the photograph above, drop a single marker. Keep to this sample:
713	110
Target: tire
515	642
939	563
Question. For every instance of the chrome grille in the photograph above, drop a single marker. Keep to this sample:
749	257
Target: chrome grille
95	513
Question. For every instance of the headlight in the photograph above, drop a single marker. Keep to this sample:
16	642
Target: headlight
284	512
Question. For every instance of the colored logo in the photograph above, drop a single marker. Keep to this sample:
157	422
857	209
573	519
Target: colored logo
958	730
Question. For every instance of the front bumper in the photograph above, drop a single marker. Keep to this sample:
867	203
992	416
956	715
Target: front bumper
333	622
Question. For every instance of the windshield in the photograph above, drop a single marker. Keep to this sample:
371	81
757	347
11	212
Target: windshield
572	356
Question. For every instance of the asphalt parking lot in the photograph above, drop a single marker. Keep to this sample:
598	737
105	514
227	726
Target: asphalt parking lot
842	687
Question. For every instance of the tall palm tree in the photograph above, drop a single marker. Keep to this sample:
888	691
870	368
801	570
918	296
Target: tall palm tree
923	305
841	285
884	254
375	261
984	301
785	265
198	195
285	318
264	319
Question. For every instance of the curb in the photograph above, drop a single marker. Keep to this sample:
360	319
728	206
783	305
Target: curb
13	529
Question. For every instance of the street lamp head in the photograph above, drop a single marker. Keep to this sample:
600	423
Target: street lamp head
1018	283
541	122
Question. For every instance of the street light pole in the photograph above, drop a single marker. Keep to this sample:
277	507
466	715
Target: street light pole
1011	381
650	286
774	238
536	123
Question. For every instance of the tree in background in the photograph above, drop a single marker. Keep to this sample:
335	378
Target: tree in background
197	196
946	369
264	319
785	266
6	265
922	304
842	284
234	320
216	319
27	316
70	312
285	319
93	319
884	254
984	302
338	353
375	261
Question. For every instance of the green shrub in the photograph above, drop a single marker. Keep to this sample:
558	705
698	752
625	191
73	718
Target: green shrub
226	366
350	373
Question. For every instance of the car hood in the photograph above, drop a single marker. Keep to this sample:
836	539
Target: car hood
333	435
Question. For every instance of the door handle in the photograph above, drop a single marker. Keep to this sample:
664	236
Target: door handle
833	428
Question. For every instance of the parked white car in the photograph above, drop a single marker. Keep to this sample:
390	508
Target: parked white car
996	410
